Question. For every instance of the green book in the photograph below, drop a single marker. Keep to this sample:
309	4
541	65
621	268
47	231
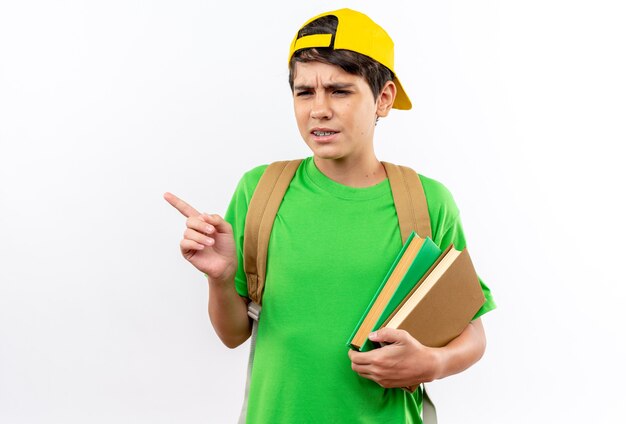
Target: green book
412	262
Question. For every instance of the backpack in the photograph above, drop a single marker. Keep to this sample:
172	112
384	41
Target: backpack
411	208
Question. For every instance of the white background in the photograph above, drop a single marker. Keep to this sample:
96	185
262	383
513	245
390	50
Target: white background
518	108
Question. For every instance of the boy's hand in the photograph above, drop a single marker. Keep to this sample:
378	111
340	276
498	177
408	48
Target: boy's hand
208	242
402	362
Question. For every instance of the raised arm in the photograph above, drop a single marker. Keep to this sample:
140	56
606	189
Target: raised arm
208	244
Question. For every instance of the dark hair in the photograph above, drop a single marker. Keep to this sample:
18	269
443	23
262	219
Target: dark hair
375	73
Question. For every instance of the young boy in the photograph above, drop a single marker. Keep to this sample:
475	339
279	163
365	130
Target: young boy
333	240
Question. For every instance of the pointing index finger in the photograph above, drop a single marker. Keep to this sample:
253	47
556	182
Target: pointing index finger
182	206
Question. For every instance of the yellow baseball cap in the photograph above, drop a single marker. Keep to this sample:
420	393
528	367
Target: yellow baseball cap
358	33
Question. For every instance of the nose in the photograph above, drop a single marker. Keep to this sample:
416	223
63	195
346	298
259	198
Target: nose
321	107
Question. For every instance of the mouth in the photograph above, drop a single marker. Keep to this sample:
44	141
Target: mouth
323	135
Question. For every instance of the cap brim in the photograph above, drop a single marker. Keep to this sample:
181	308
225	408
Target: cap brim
402	101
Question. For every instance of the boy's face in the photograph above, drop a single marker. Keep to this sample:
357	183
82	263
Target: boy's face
335	111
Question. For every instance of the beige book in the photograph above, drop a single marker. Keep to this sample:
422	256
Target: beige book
443	303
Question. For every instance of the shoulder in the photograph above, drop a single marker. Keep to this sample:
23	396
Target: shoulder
249	180
441	205
252	176
437	192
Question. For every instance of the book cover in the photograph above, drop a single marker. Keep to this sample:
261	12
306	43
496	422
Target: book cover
415	258
382	284
427	256
445	302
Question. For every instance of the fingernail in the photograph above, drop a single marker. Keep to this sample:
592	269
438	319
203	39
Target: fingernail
209	229
373	335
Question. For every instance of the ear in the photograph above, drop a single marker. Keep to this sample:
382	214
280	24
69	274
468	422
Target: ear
385	99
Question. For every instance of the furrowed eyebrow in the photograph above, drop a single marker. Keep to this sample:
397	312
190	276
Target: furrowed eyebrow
339	86
332	86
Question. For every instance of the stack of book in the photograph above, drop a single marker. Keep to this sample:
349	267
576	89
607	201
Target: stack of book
430	293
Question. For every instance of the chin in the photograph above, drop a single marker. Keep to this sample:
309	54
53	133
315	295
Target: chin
326	152
328	155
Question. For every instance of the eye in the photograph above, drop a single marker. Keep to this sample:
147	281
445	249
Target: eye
341	92
303	93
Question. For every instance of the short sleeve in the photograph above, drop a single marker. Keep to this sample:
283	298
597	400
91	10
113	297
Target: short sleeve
446	227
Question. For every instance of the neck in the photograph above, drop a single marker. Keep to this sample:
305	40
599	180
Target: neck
352	172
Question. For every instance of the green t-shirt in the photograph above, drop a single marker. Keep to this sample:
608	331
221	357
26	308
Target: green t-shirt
331	246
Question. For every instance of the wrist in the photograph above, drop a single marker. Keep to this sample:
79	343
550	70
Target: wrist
225	279
221	282
439	360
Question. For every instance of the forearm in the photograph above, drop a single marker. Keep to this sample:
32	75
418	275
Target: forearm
463	351
228	313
